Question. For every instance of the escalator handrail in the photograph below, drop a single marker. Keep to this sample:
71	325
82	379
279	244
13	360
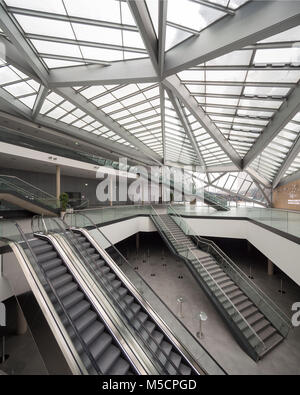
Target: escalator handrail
53	290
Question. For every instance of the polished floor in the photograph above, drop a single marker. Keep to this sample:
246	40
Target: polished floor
171	280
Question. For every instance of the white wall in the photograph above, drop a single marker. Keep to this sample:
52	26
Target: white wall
121	230
282	252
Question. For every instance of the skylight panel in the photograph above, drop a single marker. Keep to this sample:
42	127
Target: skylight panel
29	100
97	34
125	91
53	48
278	55
132	39
191	75
7	75
195	16
228	75
175	36
57	113
53	97
54	6
265	91
133	100
78	113
107	55
20	89
93	91
69	118
45	27
67	106
104	10
101	101
57	63
239	58
273	76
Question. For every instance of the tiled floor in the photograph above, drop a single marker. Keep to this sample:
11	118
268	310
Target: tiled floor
170	279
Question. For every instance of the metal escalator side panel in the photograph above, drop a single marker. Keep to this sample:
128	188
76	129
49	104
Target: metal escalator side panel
156	318
62	337
101	306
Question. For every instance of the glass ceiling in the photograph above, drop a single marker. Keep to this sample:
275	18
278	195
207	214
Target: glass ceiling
240	92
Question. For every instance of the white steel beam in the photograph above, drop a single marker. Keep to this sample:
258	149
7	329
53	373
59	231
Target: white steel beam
174	84
253	22
289	159
285	113
21	44
124	72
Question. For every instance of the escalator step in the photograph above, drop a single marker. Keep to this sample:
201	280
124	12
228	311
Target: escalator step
184	369
48	256
37	242
62	280
71	299
79	309
121	367
85	320
56	272
52	264
164	352
93	332
100	345
38	250
67	289
108	358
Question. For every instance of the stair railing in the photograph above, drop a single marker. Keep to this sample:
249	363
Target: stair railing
260	346
279	319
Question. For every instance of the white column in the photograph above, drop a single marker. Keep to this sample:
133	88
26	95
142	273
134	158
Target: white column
270	268
57	182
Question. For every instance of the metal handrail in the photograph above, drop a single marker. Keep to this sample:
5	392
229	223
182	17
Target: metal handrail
116	302
215	283
53	290
231	264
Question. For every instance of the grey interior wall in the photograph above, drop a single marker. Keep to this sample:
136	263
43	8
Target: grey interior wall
47	182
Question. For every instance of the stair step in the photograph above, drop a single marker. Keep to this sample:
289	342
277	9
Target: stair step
62	280
72	299
108	358
266	333
85	320
41	249
48	256
51	264
67	289
79	309
56	272
93	332
120	367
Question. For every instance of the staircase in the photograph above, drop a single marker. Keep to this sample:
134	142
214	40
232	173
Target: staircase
254	332
215	201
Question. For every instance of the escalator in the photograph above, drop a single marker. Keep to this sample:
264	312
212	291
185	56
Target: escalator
26	196
100	323
257	324
169	357
92	338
